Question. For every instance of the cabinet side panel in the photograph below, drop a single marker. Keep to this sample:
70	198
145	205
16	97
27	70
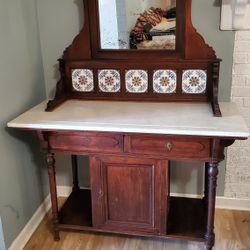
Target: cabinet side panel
162	190
96	191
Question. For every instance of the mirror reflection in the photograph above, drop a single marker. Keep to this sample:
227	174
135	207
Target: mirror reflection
137	24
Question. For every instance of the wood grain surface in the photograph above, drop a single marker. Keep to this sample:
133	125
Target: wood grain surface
232	229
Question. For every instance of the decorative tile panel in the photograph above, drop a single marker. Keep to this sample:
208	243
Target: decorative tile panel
164	81
109	80
136	81
83	80
194	81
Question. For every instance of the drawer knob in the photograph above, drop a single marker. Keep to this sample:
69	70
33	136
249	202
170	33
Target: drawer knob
169	146
100	193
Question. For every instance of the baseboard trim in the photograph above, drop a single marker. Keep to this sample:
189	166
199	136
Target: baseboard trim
24	236
221	201
64	191
232	203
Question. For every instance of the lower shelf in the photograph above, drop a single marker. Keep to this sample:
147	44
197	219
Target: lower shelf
186	219
76	211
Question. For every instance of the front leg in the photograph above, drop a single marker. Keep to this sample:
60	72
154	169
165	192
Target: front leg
53	193
205	198
212	173
75	173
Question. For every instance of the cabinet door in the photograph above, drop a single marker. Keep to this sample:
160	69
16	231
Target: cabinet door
129	194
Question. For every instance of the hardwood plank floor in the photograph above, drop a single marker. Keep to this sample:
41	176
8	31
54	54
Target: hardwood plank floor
232	229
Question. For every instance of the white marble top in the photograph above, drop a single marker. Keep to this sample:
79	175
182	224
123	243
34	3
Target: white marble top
137	117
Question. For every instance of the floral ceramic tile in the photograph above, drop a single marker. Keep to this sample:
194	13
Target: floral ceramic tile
164	81
136	81
109	80
83	80
194	81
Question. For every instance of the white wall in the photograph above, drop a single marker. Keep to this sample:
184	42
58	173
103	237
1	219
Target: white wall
238	162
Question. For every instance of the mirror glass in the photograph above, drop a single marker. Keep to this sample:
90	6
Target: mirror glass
137	24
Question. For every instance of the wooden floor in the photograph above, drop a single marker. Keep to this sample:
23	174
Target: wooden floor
232	230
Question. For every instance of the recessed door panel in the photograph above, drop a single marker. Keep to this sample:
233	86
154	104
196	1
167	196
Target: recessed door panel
129	194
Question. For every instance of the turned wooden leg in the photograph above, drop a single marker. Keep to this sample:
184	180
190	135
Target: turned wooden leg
53	193
206	183
212	174
75	173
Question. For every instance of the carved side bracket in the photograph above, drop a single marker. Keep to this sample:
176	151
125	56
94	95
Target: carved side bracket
224	144
60	95
215	89
80	49
43	140
216	150
196	47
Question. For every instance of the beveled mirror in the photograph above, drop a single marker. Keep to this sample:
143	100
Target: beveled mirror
140	24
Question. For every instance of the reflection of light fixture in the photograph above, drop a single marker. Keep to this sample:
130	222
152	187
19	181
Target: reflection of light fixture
235	14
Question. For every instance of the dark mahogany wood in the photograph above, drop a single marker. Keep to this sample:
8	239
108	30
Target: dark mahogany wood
53	193
77	209
86	142
60	95
212	173
168	146
191	53
80	49
42	136
212	182
215	89
123	204
190	148
130	184
195	46
206	182
75	173
183	221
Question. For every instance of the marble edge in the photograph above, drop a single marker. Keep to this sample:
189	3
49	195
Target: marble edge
123	129
14	123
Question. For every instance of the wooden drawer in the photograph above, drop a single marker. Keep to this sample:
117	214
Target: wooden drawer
178	147
89	142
